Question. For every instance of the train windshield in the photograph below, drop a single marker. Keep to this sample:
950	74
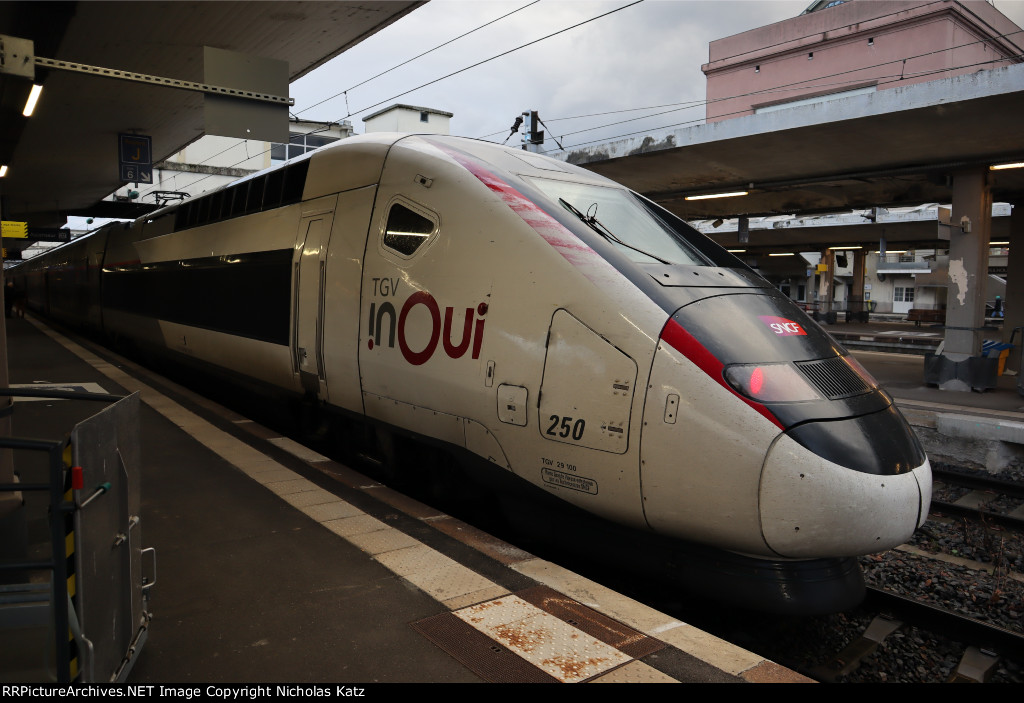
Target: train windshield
619	217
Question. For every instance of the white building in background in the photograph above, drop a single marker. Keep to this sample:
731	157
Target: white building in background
409	118
211	161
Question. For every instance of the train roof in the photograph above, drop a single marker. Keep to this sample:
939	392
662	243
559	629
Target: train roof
358	161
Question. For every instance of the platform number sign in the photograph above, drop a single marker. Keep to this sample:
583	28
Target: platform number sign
135	157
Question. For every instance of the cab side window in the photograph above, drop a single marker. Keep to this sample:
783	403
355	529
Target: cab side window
407	230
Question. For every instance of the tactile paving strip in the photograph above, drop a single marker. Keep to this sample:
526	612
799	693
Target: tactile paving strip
478	652
612	632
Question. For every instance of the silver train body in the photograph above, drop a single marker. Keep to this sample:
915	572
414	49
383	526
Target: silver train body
566	332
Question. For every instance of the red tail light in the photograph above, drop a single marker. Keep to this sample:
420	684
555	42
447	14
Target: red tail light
756	380
770	383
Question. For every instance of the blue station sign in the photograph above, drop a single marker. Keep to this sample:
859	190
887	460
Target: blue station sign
135	157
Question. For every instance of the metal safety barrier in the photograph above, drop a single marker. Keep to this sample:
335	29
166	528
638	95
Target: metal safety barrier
91	613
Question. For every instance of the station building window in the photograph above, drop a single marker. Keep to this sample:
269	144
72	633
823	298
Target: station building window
903	295
298	144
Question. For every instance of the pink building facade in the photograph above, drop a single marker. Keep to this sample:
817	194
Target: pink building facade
858	46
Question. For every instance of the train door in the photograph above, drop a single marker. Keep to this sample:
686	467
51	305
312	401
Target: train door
341	322
309	276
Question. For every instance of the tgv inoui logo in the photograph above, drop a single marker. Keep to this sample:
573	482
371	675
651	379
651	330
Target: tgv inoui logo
385	325
781	326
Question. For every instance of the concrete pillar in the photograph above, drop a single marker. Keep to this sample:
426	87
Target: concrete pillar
1014	303
825	282
968	263
970	229
857	304
13	525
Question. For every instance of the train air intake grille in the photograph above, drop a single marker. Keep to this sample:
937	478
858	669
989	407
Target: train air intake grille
834	377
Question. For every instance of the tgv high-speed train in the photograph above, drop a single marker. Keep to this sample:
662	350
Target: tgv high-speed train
565	332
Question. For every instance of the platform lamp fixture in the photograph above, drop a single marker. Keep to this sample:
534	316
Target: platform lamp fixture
33	98
30	107
709	196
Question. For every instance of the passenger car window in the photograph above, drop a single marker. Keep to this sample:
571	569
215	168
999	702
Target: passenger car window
406	230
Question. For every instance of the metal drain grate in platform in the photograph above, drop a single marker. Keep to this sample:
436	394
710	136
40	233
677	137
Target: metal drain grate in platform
478	652
612	632
534	636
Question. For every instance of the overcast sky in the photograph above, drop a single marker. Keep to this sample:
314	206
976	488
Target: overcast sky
644	55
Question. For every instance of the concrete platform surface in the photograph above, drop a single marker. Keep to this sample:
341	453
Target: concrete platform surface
276	564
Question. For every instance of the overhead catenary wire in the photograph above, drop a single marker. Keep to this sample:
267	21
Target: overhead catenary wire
629	134
685	105
751	51
345	92
734	113
698	103
418	56
816	79
689	104
492	58
551	133
352	112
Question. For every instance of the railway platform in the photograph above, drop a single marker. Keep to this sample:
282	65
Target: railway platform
275	564
899	364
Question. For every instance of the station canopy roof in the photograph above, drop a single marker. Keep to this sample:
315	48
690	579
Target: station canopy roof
892	148
63	160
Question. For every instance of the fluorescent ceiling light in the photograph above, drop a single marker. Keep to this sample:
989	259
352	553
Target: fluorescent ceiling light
3	171
33	98
788	254
1000	167
735	251
715	195
837	248
992	244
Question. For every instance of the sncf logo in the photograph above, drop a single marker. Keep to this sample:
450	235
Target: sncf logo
781	326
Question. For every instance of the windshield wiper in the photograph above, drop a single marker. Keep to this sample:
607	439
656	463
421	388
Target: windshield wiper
596	225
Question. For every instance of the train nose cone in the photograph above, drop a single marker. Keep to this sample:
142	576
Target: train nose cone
811	507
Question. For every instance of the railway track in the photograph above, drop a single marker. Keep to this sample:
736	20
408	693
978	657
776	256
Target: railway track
986	646
942	602
979	497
